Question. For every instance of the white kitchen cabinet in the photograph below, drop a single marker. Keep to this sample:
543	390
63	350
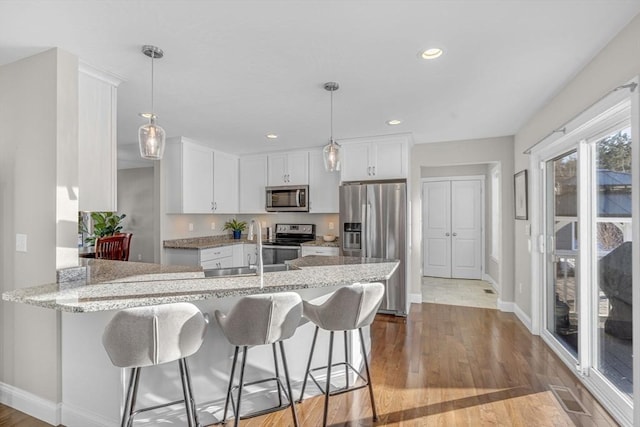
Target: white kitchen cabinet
375	158
188	171
220	257
253	180
320	250
97	142
323	185
225	183
288	168
198	179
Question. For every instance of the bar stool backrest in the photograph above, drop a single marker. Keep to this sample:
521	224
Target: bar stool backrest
350	307
145	336
262	319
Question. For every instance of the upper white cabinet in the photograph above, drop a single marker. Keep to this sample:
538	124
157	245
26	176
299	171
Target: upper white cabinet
199	179
288	169
253	179
225	183
323	185
375	158
97	148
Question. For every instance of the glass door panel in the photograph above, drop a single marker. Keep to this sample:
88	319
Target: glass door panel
562	254
613	260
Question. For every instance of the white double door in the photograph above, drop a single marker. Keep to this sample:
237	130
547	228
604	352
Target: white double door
452	215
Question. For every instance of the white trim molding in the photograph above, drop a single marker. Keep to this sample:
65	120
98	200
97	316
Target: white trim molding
31	404
415	298
512	307
76	416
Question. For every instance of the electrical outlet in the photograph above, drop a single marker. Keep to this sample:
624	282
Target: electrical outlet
21	243
264	224
330	226
190	227
213	225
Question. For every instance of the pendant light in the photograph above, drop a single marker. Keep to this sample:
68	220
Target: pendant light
331	151
151	136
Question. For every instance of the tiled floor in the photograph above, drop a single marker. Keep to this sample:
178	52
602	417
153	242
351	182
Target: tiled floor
468	293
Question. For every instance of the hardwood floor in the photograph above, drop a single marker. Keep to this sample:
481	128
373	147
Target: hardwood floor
444	366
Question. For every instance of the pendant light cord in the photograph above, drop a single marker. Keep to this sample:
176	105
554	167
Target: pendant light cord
153	55
331	117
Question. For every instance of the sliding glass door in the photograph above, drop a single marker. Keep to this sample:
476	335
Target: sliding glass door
562	254
586	244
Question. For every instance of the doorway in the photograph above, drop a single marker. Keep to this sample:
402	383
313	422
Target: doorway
453	218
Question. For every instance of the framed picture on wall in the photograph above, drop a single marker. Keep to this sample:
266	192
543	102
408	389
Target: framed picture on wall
520	183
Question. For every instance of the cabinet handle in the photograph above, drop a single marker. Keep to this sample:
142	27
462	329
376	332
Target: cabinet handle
373	168
455	234
215	206
369	170
447	234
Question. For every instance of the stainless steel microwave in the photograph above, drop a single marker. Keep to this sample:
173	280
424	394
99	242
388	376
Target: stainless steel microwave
290	198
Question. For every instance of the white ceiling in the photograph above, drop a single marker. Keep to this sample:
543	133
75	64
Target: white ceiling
234	71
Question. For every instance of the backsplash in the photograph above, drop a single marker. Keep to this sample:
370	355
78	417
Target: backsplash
188	226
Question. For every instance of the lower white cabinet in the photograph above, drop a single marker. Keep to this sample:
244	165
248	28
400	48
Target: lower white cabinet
237	255
320	250
220	257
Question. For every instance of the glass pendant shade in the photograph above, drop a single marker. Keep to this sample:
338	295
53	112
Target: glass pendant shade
151	138
331	155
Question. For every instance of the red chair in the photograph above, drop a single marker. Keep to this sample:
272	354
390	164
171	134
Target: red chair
114	247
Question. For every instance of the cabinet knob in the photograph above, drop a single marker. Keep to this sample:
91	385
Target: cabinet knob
455	234
447	234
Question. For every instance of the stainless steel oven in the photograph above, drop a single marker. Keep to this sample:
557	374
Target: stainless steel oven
285	246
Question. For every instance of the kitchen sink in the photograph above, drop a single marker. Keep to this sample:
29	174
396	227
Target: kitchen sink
244	271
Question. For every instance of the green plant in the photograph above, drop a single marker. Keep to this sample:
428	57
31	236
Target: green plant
104	224
235	225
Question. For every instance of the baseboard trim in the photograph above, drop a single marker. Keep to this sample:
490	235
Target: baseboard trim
512	307
492	282
31	404
415	298
75	416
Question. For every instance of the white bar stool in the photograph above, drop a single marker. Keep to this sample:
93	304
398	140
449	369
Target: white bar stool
147	336
260	320
349	308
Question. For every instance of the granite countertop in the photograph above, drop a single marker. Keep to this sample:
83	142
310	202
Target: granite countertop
224	240
116	285
205	242
320	242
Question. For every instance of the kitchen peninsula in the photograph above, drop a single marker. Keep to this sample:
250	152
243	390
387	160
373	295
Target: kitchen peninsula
92	388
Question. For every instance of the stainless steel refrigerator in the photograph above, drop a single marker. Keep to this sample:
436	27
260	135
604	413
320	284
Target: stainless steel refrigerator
373	224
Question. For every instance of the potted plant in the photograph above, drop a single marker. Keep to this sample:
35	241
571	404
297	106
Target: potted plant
104	224
236	226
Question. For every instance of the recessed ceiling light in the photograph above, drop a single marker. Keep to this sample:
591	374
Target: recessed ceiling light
271	136
394	122
431	53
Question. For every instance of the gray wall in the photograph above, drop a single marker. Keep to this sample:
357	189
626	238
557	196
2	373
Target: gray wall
481	151
135	199
38	183
616	64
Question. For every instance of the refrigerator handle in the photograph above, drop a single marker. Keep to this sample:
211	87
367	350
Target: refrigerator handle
363	232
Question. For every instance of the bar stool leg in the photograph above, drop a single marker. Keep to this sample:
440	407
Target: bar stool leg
187	396
233	372
328	388
346	360
245	350
190	388
286	376
366	366
275	364
130	399
306	374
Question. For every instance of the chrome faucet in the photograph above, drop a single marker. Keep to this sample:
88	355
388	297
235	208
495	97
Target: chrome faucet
259	269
